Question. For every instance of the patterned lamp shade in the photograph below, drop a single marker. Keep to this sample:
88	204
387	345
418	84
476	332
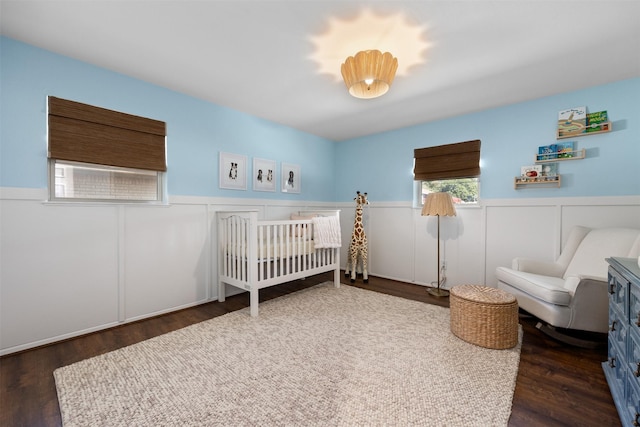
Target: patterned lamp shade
439	204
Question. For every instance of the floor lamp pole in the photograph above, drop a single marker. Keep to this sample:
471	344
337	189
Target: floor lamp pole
437	291
438	253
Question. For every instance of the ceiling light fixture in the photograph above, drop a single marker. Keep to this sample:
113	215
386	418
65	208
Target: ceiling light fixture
369	73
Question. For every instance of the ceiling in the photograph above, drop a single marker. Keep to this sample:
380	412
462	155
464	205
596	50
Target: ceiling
280	60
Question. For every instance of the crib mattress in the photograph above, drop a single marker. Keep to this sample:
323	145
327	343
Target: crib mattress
272	250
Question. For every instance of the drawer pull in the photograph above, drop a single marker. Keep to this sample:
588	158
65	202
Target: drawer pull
612	286
638	321
635	420
612	328
612	362
637	371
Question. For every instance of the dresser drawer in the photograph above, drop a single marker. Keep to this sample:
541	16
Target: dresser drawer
615	367
618	292
634	307
633	357
632	415
618	331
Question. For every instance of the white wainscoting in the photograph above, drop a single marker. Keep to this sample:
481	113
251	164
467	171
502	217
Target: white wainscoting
166	259
539	228
59	271
403	244
69	269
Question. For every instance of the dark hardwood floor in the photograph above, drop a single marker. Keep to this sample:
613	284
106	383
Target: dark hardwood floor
557	384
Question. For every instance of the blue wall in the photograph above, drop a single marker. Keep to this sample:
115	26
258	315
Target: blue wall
382	164
379	164
196	130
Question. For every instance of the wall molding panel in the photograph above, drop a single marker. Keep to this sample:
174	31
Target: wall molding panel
70	269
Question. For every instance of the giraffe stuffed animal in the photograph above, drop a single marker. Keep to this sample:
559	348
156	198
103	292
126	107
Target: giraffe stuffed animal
358	246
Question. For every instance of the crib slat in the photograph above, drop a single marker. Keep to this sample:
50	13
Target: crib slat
269	251
229	248
260	253
244	235
234	248
299	253
298	257
278	264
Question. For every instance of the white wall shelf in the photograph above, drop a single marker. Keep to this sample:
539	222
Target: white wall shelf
519	182
575	155
603	127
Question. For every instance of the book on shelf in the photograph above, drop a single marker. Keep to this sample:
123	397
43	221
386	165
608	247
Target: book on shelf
597	122
566	149
547	152
550	171
532	171
572	121
538	173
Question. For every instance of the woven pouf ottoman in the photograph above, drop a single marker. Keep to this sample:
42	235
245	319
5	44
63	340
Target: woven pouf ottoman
484	316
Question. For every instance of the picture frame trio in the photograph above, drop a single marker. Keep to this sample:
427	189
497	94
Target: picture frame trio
234	172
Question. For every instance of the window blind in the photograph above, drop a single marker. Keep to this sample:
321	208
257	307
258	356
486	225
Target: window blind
459	160
84	133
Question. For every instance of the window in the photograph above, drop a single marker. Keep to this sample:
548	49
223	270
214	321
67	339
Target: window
452	168
103	155
463	190
84	181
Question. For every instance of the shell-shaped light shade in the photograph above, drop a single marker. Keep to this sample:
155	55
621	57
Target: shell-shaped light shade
369	65
438	204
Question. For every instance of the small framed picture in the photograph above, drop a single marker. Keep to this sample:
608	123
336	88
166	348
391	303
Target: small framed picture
264	175
290	182
233	171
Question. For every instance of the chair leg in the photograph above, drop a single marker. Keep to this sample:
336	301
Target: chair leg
568	339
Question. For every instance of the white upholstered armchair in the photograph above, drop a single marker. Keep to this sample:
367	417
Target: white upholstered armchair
571	292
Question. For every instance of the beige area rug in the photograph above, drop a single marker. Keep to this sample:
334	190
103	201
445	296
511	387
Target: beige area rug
318	357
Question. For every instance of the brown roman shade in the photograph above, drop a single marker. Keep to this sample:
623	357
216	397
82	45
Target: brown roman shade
83	133
460	160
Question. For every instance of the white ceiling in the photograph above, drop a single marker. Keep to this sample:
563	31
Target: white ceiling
258	56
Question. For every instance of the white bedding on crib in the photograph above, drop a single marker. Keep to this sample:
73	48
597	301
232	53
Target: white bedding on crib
326	232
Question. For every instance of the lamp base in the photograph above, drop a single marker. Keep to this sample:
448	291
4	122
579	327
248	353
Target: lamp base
438	292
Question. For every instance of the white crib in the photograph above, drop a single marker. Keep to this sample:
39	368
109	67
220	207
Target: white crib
255	254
